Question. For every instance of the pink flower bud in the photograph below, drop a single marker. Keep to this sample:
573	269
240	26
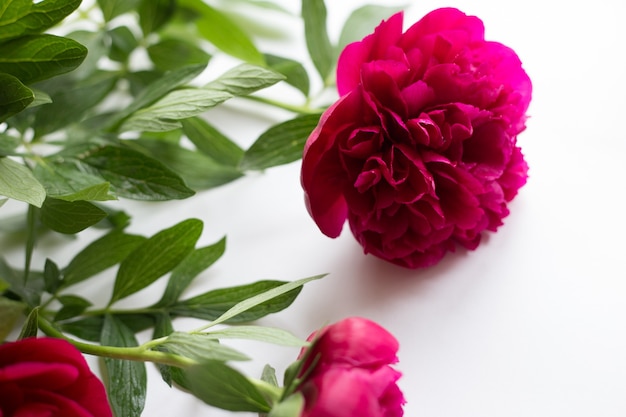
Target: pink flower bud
347	372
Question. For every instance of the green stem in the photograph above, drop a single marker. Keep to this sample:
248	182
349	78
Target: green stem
268	390
285	106
103	311
30	241
137	353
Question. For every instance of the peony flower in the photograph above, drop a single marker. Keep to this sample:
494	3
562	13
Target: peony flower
420	152
48	377
346	372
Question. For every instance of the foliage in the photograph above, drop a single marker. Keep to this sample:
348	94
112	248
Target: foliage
82	125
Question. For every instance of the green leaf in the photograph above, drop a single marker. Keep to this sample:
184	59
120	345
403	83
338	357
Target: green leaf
96	192
31	326
23	17
100	255
98	46
169	54
215	303
264	4
260	333
139	81
363	21
40	98
14	96
67	182
90	327
269	375
212	142
135	175
262	298
167	112
292	372
201	348
280	144
157	256
115	219
113	8
8	144
320	49
190	267
126	381
73	306
221	386
291	406
179	104
19	183
155	89
51	276
197	170
163	328
153	14
170	136
248	20
30	293
138	322
87	328
223	33
10	311
7	274
70	217
294	72
170	374
245	79
70	105
74	301
123	42
38	57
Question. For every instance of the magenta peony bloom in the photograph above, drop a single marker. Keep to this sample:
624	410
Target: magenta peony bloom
420	152
347	372
48	377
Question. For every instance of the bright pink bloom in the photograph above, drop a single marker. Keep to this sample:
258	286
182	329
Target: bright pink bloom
420	152
348	374
48	377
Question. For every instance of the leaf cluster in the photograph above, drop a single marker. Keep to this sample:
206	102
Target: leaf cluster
27	55
140	261
116	110
118	130
112	129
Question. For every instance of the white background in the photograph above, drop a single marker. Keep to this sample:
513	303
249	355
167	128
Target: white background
533	322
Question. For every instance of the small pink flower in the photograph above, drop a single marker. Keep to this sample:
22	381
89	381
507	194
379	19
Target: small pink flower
420	152
48	377
347	372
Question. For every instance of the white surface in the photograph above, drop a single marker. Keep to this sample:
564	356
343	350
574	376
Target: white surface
532	323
